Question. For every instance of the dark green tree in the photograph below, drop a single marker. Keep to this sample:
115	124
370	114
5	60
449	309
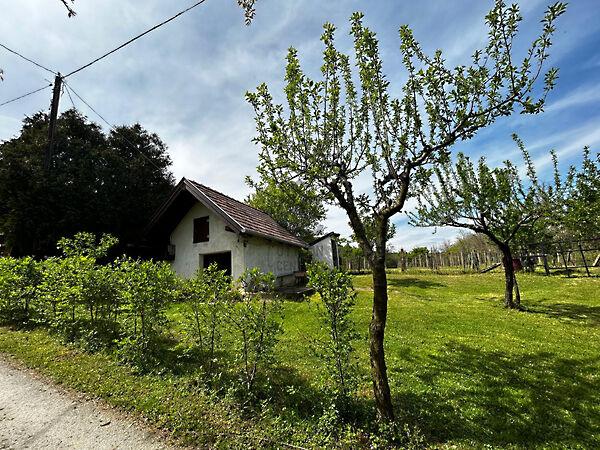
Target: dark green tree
347	125
95	183
494	202
299	209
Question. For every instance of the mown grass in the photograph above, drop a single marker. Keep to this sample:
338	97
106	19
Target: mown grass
463	370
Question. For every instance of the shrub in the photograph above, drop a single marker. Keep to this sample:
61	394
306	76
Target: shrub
336	350
19	282
145	288
78	297
86	244
255	318
206	299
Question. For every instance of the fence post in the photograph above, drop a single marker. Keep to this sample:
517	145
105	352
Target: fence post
562	254
545	260
584	260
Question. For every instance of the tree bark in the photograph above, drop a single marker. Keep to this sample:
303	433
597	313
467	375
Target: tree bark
509	276
517	300
381	387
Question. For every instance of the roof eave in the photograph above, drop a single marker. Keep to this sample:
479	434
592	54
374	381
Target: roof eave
270	237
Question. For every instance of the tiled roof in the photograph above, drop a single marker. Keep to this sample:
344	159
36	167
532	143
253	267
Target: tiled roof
249	220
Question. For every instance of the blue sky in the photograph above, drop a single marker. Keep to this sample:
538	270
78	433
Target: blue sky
187	80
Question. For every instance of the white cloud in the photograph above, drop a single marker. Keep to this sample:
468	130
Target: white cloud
582	95
186	81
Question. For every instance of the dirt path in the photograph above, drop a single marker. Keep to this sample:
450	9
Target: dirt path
34	414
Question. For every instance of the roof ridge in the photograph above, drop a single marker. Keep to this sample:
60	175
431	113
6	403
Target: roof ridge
234	199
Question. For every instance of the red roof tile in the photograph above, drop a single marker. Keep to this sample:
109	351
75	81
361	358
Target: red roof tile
250	220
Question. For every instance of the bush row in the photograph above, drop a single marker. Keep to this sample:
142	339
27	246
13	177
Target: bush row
122	304
227	326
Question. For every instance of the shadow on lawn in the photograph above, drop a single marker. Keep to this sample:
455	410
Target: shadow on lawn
589	315
414	282
493	397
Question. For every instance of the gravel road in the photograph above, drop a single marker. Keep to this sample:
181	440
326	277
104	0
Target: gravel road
34	414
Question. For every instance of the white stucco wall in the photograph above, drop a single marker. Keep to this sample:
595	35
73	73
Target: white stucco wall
187	254
269	256
246	252
323	251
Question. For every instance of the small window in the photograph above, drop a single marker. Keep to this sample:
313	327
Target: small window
201	229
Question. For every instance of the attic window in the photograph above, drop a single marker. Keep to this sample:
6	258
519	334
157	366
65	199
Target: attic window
201	229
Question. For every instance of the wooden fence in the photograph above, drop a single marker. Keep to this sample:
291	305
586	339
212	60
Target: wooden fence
567	257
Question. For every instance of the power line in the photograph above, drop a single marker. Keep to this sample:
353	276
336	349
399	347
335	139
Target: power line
26	95
135	38
27	59
112	127
69	94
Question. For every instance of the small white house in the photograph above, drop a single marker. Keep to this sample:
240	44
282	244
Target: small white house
198	226
325	249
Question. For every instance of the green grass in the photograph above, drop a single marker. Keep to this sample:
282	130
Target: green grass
464	370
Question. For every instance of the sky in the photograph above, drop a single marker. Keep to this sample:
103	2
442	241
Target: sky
187	80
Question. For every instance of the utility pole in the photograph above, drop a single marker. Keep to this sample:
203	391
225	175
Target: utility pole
53	117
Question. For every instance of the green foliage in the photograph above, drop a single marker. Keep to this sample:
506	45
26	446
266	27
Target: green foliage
334	129
417	251
145	287
299	209
19	284
337	349
97	182
445	350
577	207
256	318
84	244
207	296
347	125
494	202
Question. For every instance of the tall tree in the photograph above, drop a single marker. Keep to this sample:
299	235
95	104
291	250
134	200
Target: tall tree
494	202
96	183
582	198
299	209
335	130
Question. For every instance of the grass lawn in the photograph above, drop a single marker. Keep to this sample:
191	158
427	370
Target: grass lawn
464	370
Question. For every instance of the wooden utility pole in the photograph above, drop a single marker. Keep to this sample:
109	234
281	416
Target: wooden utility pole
53	117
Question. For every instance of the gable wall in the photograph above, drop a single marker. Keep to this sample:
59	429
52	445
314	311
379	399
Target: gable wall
187	254
323	251
268	256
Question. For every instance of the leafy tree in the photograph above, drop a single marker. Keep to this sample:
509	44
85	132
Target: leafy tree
96	182
299	209
582	202
493	202
335	130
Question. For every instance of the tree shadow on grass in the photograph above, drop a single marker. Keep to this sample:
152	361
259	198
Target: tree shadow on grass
493	397
589	315
414	282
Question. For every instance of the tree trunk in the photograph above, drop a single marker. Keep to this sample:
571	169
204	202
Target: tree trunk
517	300
381	387
509	276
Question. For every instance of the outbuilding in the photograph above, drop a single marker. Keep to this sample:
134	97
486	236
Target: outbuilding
198	226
